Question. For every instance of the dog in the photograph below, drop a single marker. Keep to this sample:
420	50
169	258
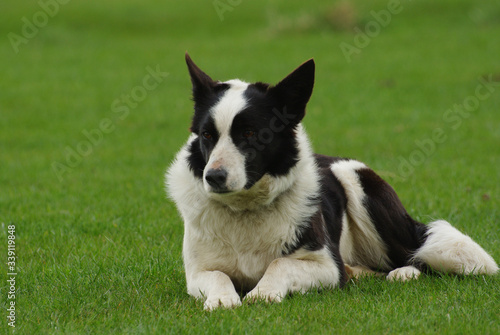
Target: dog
264	216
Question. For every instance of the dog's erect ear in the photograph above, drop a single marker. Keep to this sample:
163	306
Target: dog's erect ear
294	91
202	83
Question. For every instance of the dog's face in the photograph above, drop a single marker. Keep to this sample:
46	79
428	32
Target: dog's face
245	131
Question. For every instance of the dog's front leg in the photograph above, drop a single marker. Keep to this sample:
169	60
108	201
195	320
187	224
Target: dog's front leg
216	286
298	272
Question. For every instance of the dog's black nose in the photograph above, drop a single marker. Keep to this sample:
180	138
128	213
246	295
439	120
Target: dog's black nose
217	179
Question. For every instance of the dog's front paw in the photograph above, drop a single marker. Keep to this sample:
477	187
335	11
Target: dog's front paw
225	301
268	295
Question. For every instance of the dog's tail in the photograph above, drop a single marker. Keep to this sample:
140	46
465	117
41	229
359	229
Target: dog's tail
448	250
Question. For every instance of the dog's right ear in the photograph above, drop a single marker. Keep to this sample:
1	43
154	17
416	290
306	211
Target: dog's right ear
202	83
294	91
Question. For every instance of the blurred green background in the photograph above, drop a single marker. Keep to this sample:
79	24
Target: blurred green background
84	146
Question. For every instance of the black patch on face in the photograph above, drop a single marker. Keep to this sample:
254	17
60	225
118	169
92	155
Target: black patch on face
264	135
208	136
203	103
206	94
195	160
201	125
201	148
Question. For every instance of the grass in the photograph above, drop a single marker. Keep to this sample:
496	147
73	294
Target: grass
99	245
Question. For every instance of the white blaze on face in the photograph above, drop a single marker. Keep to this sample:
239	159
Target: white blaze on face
226	155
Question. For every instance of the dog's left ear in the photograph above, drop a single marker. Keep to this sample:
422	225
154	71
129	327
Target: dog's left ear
294	91
202	83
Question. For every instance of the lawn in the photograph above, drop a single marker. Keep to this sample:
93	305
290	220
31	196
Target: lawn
95	102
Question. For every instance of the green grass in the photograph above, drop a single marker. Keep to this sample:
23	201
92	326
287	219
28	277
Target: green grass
99	249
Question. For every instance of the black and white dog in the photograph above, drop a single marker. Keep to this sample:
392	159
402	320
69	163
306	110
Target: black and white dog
265	215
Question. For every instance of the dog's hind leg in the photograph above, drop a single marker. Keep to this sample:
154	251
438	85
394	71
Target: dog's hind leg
358	271
409	246
448	250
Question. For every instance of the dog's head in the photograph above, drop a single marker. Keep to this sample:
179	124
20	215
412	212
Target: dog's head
246	131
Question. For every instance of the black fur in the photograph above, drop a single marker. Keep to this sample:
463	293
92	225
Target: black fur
333	206
272	148
401	234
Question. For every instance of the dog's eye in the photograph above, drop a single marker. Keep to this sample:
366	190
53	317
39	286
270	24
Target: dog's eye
206	135
248	133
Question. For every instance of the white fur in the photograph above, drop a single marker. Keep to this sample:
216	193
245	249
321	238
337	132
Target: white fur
299	272
182	186
346	246
232	102
403	274
226	155
447	249
216	287
360	243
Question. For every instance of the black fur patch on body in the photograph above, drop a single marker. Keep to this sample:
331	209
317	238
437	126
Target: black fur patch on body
401	234
333	206
325	226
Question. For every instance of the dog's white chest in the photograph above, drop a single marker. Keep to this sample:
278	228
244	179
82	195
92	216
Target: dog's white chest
242	245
